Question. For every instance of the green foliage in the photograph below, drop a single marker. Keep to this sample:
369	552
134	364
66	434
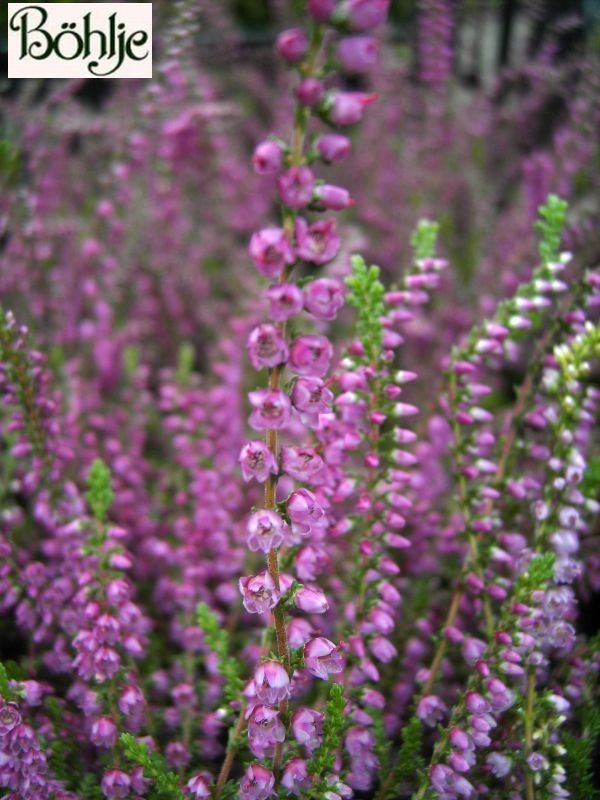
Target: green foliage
10	161
410	763
166	783
185	361
578	759
89	789
5	691
591	479
218	640
366	295
539	572
550	227
323	758
424	239
100	493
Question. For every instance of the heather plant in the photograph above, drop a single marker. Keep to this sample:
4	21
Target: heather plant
276	521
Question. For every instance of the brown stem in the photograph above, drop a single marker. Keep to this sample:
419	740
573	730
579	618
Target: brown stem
230	755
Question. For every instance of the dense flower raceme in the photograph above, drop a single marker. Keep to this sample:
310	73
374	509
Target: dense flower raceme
267	526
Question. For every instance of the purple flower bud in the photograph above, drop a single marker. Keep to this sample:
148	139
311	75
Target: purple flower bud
265	729
382	649
9	717
257	783
257	461
321	10
301	463
347	108
310	355
358	54
333	147
310	91
459	739
271	251
103	732
296	187
272	682
318	242
131	701
299	632
498	764
272	409
295	777
311	398
265	530
267	347
431	709
267	157
324	297
285	301
332	198
115	784
307	728
258	593
311	600
322	658
198	787
364	15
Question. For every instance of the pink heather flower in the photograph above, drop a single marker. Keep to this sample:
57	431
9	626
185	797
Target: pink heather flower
331	198
333	147
131	700
318	242
292	45
295	777
115	784
267	157
265	530
323	298
310	355
322	658
267	347
311	600
299	632
476	704
321	10
310	91
499	765
198	787
265	729
304	512
272	409
347	108
431	709
271	251
358	53
364	15
258	592
271	681
257	461
285	301
104	732
311	398
307	727
257	783
382	649
301	463
296	187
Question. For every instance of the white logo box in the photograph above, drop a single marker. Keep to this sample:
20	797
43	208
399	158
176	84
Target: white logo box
79	40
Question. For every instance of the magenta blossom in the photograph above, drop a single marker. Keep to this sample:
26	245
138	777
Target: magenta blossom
265	729
296	187
267	347
347	108
328	197
258	592
321	10
322	658
323	298
267	157
358	53
115	784
199	787
295	777
257	461
318	242
292	45
311	398
285	301
304	512
333	147
271	682
301	463
265	530
257	783
310	355
271	251
364	15
311	600
272	409
307	727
